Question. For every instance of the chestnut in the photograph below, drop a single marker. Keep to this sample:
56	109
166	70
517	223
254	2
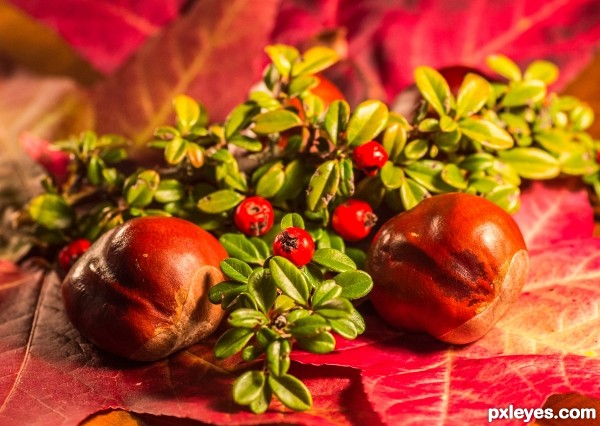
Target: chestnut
141	290
450	267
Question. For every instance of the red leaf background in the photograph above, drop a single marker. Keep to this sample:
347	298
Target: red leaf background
548	343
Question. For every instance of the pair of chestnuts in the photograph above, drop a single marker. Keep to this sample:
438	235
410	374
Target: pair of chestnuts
450	267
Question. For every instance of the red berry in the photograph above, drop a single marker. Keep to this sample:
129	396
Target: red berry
71	252
353	220
370	157
254	216
295	244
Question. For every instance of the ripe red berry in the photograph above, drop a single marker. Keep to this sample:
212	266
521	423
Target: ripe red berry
353	220
370	157
254	216
295	244
71	252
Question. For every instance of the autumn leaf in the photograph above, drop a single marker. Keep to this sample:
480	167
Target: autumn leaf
212	54
547	343
388	40
105	33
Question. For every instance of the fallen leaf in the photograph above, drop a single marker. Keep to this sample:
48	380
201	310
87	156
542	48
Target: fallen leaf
213	54
31	44
569	401
105	33
49	374
388	40
547	343
555	211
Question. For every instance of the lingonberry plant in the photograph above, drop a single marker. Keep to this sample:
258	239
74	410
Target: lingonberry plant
277	301
327	169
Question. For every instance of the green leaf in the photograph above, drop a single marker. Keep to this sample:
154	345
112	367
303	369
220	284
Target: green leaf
301	84
477	162
313	275
248	387
358	321
283	57
246	318
368	120
556	141
333	260
335	308
168	191
283	303
314	60
412	193
452	175
428	174
187	110
336	119
346	182
308	326
176	150
140	188
322	343
429	125
323	185
486	133
232	341
246	143
236	269
262	289
357	255
326	291
344	327
291	392
278	357
542	70
223	156
526	92
448	124
239	118
294	181
531	163
354	284
289	279
434	89
416	149
94	170
51	211
271	182
506	196
261	403
504	66
237	245
394	140
582	117
262	247
391	176
225	290
578	162
472	95
220	201
484	184
276	121
292	220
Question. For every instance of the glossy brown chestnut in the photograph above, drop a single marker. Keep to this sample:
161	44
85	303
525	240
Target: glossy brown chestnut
450	267
141	290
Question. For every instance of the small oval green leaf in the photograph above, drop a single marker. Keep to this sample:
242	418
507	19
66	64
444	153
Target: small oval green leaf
368	120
